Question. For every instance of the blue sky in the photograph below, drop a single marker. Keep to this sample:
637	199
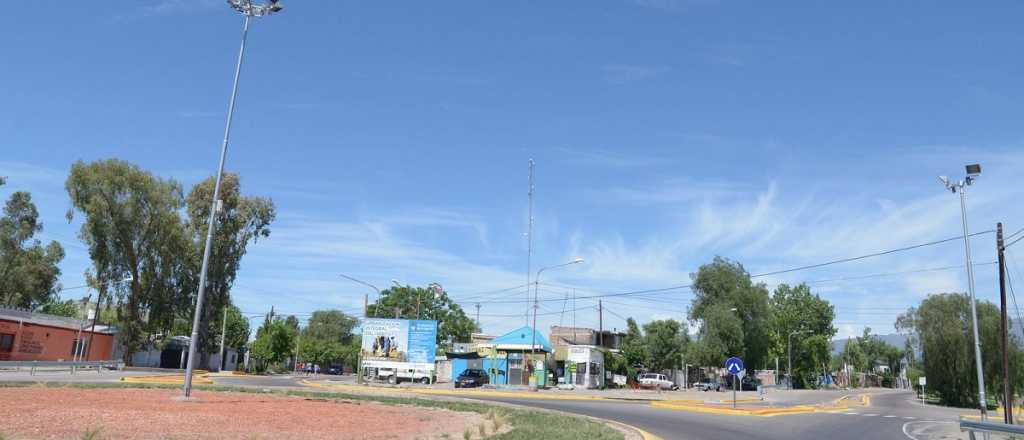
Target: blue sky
394	139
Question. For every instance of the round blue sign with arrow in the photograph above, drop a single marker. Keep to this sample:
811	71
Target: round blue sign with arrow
734	365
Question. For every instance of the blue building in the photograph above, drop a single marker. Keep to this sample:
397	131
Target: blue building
509	359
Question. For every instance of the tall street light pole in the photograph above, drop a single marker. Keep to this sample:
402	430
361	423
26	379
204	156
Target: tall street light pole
249	10
973	171
536	302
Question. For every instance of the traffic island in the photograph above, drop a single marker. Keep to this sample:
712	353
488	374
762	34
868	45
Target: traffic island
122	413
247	413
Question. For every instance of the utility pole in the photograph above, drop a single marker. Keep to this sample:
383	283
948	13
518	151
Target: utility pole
223	329
529	240
600	324
1007	393
478	317
574	316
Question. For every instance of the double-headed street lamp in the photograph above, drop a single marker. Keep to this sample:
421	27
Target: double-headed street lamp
249	10
973	171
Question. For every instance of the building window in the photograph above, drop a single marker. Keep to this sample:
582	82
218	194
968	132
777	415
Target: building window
6	342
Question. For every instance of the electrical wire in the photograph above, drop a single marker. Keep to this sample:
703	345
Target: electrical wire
876	254
1014	234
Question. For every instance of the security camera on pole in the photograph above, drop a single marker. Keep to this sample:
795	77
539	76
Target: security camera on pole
249	10
973	171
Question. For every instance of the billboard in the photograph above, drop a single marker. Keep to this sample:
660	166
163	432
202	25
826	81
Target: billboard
399	343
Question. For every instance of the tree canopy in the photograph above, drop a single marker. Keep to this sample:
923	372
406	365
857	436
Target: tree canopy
942	325
135	229
29	271
805	319
402	302
719	287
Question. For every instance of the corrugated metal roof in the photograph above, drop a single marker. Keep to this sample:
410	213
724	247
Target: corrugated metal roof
30	317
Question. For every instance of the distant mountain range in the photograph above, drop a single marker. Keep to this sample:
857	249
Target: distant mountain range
896	340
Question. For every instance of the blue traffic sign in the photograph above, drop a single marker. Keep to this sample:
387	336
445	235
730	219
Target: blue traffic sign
734	365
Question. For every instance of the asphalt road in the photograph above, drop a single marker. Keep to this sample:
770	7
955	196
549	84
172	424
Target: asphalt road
891	415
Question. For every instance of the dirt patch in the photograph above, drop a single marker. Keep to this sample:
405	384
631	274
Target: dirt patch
68	413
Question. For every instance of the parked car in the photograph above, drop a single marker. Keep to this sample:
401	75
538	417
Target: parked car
708	385
749	384
424	377
655	380
471	378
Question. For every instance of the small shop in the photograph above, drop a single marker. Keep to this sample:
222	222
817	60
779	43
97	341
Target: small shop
515	358
584	366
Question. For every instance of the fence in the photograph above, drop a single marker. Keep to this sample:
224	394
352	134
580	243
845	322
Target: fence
986	428
61	365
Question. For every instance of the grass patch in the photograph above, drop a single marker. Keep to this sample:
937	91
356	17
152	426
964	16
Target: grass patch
525	424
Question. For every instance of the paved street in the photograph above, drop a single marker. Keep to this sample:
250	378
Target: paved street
888	416
891	414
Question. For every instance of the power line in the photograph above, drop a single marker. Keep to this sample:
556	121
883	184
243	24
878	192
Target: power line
1015	233
908	272
876	254
1009	281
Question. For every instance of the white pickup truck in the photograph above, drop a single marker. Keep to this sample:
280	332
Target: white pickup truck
388	374
655	381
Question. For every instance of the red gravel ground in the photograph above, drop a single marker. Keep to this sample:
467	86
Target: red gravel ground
68	413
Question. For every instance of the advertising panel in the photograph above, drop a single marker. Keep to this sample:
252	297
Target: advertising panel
399	343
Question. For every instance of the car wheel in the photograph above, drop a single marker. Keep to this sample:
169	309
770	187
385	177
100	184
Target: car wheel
425	381
392	379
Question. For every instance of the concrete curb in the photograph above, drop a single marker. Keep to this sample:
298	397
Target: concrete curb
460	393
201	379
747	412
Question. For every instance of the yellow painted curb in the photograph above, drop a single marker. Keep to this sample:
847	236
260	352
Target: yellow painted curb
746	400
458	393
764	412
175	380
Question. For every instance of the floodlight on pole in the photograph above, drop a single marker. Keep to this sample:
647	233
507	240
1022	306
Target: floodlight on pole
973	171
249	9
536	302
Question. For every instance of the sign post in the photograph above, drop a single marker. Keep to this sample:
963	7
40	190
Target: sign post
922	381
734	366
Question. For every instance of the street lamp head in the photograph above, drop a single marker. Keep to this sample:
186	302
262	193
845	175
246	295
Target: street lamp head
577	260
396	283
973	169
247	7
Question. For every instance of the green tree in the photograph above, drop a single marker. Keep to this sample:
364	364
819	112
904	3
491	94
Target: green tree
28	270
275	341
719	337
67	308
808	318
131	227
240	221
719	287
330	325
452	322
237	334
634	349
665	342
942	325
